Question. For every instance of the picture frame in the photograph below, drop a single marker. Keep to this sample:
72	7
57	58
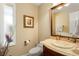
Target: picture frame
28	21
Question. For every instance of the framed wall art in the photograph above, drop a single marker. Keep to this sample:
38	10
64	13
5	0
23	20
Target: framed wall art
28	21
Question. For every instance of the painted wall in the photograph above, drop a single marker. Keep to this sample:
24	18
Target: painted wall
31	34
23	34
44	21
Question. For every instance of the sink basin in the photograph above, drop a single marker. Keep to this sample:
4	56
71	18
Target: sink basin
62	44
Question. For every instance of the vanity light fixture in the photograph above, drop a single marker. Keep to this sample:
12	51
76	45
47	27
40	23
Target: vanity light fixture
60	7
67	4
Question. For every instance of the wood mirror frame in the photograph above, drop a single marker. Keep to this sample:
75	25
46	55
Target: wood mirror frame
61	4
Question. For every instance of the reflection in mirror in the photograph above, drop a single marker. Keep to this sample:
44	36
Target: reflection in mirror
65	20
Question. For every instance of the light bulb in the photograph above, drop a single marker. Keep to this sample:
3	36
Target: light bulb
60	7
67	4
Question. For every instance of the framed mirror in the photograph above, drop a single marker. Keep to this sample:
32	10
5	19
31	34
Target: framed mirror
65	19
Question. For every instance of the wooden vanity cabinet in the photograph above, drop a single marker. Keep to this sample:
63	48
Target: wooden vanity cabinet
49	52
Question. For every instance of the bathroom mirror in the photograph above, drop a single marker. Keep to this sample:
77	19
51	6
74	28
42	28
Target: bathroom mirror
65	19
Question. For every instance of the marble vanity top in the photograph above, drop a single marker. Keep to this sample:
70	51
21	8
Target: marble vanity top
62	47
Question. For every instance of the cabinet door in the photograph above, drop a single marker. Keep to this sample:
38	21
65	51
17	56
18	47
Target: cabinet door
48	52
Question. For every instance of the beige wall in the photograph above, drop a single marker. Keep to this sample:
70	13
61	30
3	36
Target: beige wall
44	21
23	34
30	33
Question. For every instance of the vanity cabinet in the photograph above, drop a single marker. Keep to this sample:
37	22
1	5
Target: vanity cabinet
49	52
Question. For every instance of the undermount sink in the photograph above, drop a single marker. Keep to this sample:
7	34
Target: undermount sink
62	44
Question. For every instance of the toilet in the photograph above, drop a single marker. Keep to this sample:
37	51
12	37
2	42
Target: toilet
36	51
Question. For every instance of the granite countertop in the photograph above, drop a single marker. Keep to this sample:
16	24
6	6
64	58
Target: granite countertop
68	52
